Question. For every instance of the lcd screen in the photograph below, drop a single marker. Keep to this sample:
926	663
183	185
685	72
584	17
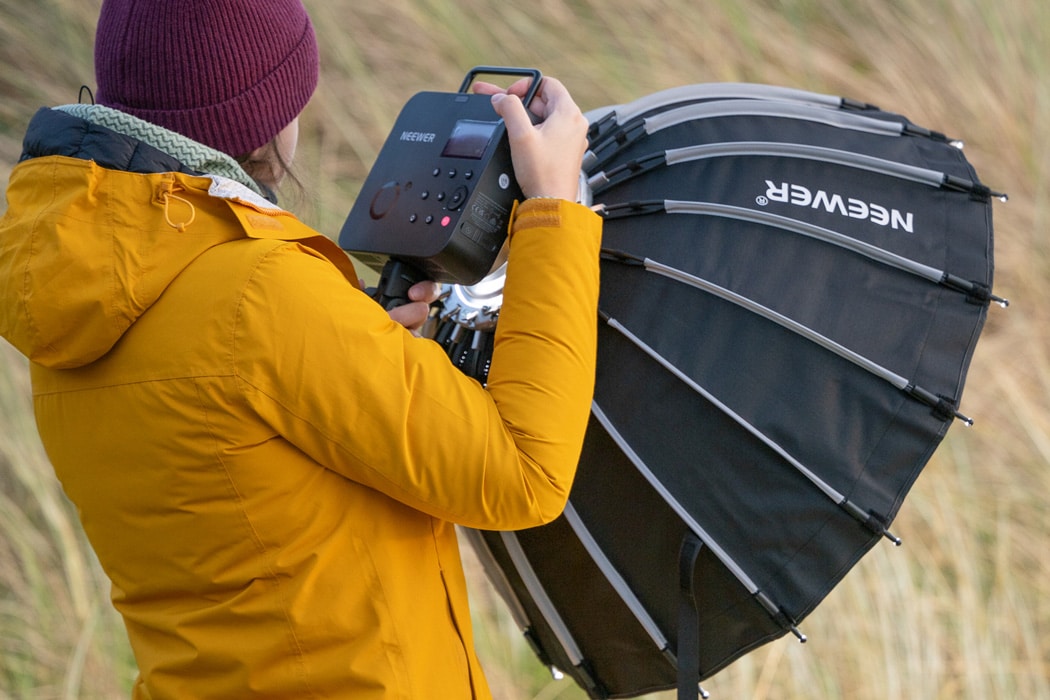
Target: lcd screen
469	139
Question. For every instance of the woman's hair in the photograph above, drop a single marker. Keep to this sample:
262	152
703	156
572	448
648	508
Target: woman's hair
268	165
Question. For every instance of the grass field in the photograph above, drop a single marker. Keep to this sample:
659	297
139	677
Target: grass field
961	611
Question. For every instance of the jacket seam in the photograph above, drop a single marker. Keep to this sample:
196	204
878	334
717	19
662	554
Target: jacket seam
238	376
260	546
150	380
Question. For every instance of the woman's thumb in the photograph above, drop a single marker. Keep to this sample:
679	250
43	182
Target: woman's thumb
510	108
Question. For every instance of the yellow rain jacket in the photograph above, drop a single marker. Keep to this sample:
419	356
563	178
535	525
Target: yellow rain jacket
267	466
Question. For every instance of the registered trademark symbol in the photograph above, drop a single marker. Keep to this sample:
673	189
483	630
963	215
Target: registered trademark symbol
761	200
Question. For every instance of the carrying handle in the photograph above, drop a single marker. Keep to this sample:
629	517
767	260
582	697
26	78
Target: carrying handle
537	78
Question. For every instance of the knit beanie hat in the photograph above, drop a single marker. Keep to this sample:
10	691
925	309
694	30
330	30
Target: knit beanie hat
230	74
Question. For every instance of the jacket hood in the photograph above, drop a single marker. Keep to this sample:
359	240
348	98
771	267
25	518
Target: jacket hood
85	250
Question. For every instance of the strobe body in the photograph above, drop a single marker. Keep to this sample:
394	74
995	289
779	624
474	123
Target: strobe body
438	199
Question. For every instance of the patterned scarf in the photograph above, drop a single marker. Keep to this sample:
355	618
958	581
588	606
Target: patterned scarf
194	155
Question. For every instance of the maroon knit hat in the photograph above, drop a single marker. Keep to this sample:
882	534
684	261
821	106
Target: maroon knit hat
228	73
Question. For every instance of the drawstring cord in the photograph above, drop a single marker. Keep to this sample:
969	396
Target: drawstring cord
167	193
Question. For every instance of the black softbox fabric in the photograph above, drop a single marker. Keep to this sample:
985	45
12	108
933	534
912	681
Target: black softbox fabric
792	288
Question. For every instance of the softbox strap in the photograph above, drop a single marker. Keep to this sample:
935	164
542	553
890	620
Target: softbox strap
688	620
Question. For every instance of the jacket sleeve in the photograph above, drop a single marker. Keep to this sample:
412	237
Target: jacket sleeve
331	373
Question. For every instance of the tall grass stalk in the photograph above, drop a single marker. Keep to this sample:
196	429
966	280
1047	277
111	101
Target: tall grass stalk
962	610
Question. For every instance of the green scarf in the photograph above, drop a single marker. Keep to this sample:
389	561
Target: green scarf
192	154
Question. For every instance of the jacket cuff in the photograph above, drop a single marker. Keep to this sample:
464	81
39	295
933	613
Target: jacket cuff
537	212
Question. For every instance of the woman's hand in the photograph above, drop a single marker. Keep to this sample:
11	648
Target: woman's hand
414	314
547	156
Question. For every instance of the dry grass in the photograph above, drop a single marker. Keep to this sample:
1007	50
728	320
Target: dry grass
961	611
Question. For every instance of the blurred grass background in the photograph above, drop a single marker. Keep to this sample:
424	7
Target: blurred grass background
961	611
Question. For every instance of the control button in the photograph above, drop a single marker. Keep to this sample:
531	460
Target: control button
451	172
384	200
459	195
441	196
468	174
413	218
424	194
436	172
429	219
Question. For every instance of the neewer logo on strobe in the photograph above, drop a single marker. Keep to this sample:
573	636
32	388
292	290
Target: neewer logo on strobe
800	196
420	136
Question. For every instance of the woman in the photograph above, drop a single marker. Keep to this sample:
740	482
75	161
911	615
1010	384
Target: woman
268	465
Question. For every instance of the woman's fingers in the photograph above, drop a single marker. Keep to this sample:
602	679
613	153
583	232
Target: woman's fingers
547	155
